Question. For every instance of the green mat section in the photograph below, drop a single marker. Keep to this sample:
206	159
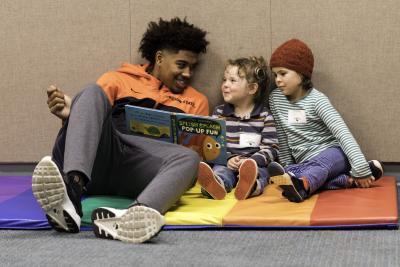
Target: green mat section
91	203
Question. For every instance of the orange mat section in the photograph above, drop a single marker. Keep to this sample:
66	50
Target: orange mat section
271	209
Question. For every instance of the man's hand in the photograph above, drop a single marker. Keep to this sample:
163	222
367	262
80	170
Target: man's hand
364	182
58	102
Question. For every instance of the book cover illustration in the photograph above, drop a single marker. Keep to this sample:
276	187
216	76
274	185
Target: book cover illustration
205	135
146	122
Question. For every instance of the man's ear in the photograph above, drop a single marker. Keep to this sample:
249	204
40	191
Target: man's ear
253	88
159	57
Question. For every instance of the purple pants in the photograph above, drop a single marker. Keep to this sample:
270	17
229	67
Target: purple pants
328	170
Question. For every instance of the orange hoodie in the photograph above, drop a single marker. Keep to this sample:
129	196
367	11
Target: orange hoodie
131	84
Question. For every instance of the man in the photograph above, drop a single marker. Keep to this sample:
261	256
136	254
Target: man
93	153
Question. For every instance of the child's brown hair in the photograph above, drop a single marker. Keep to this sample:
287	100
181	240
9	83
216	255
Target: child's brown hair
254	70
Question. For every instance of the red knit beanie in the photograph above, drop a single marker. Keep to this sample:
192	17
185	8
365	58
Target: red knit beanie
294	55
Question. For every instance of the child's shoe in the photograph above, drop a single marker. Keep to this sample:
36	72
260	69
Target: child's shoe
248	173
293	188
275	169
60	201
137	224
376	169
211	185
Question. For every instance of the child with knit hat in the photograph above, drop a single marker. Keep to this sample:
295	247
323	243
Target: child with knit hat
316	147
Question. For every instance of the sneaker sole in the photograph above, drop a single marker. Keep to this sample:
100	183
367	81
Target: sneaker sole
50	192
285	182
207	180
248	173
377	169
137	225
275	169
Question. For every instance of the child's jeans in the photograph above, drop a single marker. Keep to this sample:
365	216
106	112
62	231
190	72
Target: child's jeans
230	177
327	170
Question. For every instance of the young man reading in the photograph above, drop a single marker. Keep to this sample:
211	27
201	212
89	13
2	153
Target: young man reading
94	155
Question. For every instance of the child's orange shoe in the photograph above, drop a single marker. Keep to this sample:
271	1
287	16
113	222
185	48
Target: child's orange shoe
211	185
248	173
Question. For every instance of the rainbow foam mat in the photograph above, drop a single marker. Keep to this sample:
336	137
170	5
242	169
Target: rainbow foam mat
375	208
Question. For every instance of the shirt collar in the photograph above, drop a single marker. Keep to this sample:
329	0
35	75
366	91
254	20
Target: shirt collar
229	110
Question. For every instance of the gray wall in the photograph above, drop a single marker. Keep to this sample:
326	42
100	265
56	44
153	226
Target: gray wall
356	45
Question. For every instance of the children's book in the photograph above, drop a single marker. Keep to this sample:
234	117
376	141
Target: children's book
205	135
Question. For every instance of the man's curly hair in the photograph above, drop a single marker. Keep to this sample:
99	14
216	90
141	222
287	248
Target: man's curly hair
175	35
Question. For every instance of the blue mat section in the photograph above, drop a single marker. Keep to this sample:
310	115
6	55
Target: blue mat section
18	207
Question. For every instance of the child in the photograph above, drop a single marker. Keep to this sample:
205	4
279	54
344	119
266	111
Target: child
251	133
316	147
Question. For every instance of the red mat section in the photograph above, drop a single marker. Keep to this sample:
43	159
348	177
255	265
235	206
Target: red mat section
354	206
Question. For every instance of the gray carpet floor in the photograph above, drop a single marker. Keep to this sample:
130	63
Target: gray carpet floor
205	248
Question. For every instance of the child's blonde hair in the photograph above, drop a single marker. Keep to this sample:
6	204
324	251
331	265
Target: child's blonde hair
254	70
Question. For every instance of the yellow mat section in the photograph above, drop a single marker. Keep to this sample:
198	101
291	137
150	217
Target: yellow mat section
271	209
195	209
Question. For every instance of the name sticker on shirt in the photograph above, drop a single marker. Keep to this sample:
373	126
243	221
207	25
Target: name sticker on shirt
249	140
297	117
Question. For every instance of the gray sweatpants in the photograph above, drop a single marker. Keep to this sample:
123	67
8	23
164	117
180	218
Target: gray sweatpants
152	172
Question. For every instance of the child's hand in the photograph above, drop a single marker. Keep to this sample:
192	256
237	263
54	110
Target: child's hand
58	102
364	182
234	163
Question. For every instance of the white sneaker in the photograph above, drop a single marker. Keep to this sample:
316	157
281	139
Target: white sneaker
49	189
134	225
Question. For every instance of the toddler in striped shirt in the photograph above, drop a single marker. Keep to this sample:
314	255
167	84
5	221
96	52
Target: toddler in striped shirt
251	133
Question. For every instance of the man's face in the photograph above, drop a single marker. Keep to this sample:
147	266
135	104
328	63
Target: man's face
175	69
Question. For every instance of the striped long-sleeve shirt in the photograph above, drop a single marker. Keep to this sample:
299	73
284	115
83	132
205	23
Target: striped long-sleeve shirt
254	136
310	125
